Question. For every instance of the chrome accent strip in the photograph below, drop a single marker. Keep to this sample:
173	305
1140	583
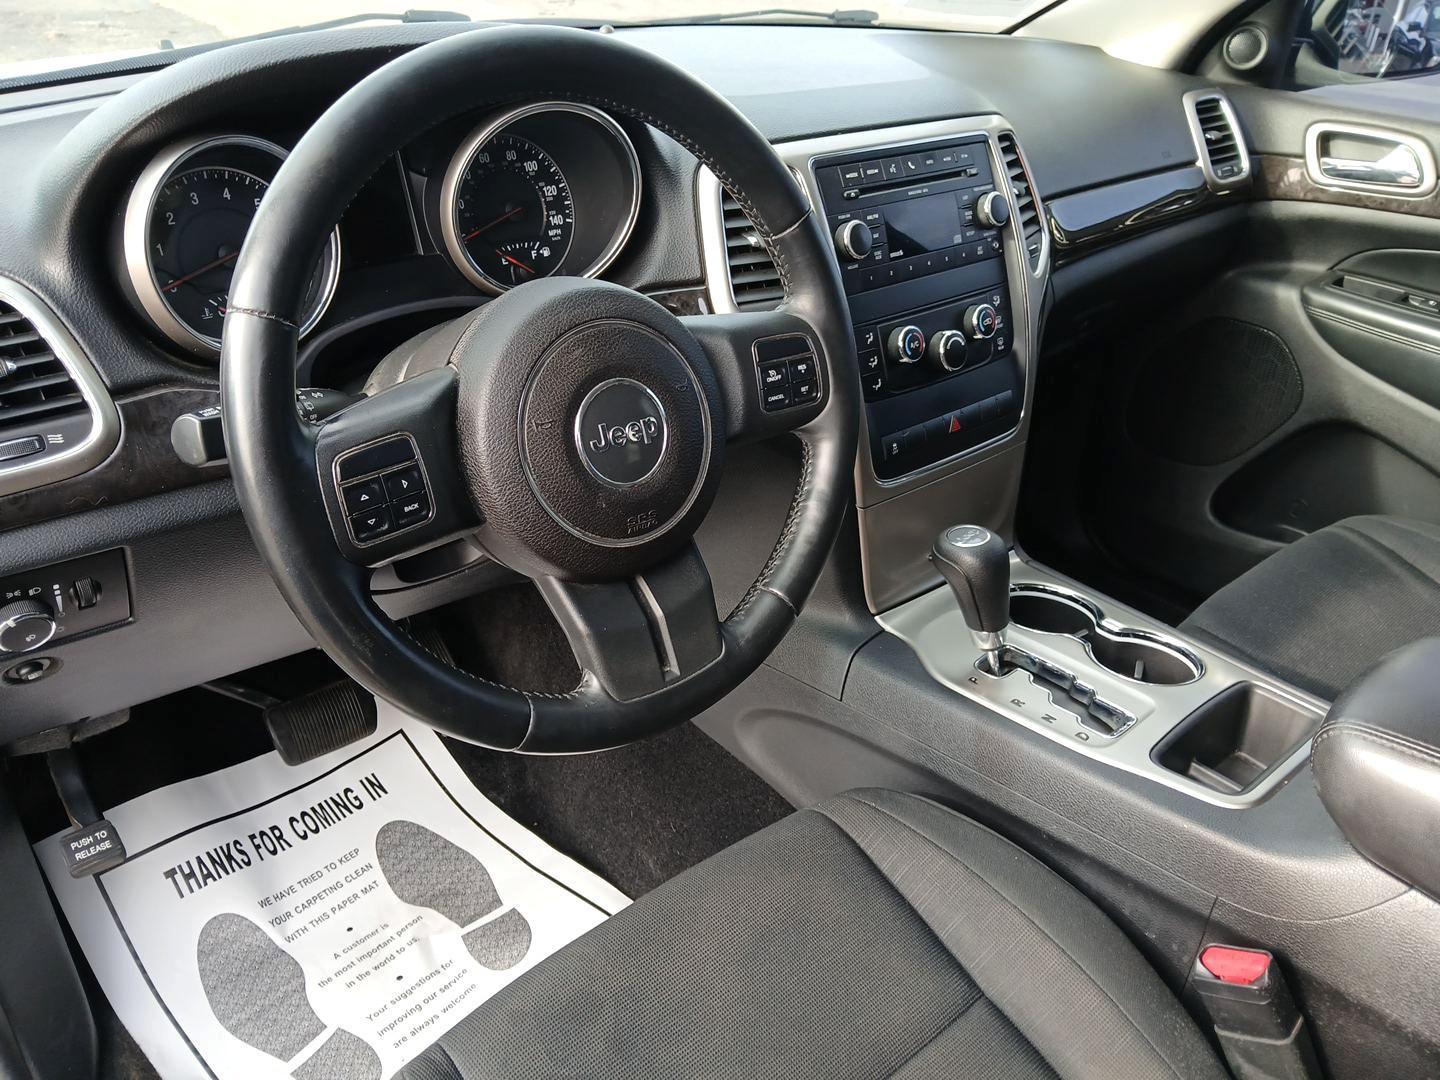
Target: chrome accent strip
135	240
932	625
1197	135
23	474
449	227
1424	157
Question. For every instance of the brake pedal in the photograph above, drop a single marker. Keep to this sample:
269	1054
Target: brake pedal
94	844
321	721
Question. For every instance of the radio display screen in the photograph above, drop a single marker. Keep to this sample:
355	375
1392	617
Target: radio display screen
918	226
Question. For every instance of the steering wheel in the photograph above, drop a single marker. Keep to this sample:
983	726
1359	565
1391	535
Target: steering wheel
574	429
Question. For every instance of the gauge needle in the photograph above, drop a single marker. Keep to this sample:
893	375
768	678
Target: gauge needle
514	261
196	273
497	221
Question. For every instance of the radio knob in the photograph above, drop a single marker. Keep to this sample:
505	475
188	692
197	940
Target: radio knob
981	321
992	209
947	350
907	344
25	625
854	240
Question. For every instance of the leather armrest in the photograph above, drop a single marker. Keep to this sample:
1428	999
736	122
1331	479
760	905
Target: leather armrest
1376	761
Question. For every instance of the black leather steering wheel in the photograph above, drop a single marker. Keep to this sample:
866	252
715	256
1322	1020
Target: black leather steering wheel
574	428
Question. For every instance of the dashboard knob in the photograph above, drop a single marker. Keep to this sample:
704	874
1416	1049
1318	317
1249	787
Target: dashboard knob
907	344
981	321
854	240
947	350
992	209
25	625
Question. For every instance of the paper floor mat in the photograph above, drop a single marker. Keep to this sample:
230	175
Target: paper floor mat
327	921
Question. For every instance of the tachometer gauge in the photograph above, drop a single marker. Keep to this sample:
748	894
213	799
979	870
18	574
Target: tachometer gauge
507	211
184	228
514	216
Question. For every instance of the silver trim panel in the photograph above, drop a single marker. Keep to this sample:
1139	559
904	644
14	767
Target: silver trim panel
932	625
449	226
104	435
1197	134
1420	154
135	231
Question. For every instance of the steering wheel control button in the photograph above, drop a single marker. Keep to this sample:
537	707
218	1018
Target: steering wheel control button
403	483
787	370
371	525
26	625
621	432
395	450
364	496
411	511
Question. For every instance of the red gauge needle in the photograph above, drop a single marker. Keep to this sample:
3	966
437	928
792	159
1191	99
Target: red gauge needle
514	261
497	221
196	273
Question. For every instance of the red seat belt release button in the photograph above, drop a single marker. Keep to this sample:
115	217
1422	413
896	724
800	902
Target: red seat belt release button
1241	967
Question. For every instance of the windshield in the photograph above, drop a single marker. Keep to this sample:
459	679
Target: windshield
49	35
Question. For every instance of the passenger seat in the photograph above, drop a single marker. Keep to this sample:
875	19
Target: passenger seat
1322	611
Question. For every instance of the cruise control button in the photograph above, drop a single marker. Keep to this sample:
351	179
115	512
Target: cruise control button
775	373
402	483
805	392
777	398
411	511
371	526
802	368
366	495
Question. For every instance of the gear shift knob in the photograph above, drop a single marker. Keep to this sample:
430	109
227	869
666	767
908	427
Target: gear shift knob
976	564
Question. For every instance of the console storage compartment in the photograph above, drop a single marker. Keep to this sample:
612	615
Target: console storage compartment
1236	737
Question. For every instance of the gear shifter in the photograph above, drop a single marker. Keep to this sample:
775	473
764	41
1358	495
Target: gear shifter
976	565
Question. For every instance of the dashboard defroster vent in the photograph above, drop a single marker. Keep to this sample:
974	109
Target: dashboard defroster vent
1218	142
754	281
1027	207
56	418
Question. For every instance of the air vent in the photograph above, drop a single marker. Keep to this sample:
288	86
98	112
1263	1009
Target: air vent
754	281
35	388
56	420
1222	153
1027	207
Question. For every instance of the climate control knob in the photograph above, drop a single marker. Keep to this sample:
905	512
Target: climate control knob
947	350
854	240
25	625
992	209
906	344
981	321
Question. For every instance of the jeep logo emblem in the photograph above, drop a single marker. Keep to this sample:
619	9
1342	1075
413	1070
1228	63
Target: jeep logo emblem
620	432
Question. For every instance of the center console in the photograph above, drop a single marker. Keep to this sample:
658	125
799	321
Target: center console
917	230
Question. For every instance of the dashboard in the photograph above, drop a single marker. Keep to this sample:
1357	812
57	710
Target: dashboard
935	164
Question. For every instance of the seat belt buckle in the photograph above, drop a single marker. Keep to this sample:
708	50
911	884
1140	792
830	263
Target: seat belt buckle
1261	1030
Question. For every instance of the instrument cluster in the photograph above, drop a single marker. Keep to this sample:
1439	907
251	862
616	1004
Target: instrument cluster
549	188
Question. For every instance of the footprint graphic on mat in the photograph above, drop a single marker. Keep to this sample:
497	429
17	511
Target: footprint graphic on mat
427	870
257	992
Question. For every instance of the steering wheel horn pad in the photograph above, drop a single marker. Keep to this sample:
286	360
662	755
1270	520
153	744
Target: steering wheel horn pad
608	409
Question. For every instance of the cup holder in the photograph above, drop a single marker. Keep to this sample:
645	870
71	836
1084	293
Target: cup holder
1133	654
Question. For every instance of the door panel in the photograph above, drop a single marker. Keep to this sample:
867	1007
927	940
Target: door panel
1298	387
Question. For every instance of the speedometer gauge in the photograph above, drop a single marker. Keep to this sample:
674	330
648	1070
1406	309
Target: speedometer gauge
513	212
184	228
507	209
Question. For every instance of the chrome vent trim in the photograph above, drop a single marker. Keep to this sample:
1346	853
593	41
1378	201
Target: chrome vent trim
740	274
1029	214
47	382
1219	144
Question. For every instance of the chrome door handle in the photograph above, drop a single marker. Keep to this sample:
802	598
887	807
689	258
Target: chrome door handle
1403	165
1398	168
